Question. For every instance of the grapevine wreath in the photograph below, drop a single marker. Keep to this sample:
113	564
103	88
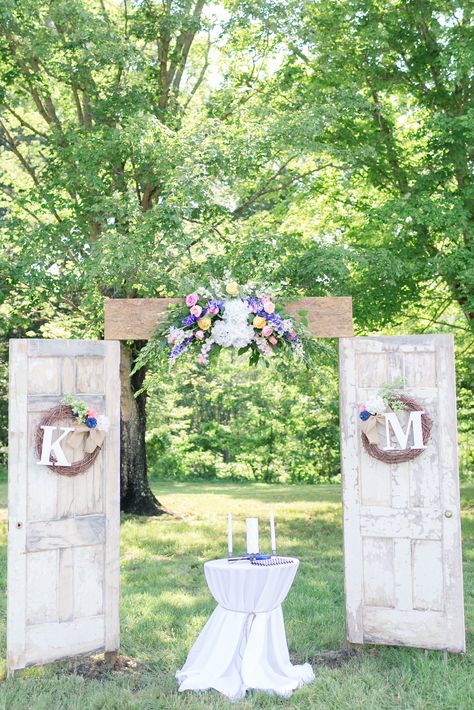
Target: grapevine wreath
87	424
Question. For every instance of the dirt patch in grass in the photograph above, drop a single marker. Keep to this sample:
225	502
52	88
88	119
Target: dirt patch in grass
333	659
98	667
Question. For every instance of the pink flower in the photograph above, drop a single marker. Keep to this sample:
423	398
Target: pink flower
199	334
268	307
273	340
196	311
267	330
92	413
212	311
293	333
192	299
201	360
265	298
253	309
363	408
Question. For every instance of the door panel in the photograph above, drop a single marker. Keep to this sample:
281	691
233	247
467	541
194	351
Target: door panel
63	544
402	543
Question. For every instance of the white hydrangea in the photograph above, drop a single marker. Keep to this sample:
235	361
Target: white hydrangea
103	423
233	330
375	405
175	335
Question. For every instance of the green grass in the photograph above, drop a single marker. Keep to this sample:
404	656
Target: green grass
165	603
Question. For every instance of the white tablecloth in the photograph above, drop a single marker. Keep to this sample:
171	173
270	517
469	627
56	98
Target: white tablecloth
243	644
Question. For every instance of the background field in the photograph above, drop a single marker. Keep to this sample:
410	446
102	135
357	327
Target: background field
165	603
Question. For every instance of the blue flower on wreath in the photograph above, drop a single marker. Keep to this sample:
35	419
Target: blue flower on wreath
91	422
365	415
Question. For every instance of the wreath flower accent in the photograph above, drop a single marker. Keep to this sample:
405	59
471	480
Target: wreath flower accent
230	316
85	415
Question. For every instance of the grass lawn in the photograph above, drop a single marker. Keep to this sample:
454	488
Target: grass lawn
165	603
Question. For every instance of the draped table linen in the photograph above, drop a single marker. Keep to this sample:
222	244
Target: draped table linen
243	644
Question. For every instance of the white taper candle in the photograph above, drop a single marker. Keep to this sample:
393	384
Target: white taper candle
229	534
272	533
252	536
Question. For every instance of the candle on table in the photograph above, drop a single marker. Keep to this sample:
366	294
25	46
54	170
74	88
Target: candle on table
272	534
229	534
252	536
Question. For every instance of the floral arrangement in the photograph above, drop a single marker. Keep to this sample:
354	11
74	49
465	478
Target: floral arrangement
230	316
387	398
85	415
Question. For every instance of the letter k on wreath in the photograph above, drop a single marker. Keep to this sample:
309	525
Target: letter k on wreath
88	434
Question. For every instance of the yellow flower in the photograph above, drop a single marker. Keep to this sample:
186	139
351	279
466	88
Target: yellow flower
232	288
259	322
204	323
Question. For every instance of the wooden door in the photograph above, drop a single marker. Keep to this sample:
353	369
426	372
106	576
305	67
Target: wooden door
402	542
63	538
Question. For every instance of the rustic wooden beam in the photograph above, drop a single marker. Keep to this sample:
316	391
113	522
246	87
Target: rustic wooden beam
137	318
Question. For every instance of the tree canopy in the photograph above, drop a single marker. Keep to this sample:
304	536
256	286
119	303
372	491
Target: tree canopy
326	146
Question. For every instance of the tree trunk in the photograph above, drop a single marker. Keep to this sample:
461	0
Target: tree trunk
136	496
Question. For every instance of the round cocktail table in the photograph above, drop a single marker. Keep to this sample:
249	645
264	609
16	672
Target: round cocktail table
243	644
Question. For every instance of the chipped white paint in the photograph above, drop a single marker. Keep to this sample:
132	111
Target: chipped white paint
63	541
402	541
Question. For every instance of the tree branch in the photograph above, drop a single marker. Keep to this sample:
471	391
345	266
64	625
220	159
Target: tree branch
25	123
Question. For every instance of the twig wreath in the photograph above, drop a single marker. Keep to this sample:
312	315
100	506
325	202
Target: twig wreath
372	412
89	430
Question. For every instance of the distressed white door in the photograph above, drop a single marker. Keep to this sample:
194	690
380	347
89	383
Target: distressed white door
63	537
402	541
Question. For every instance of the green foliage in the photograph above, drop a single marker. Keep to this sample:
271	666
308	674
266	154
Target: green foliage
79	408
390	393
325	147
230	421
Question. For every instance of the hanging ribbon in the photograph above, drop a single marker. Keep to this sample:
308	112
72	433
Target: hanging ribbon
86	438
369	427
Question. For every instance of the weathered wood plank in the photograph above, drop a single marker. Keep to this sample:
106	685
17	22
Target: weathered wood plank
449	482
65	586
40	347
427	569
350	454
68	532
402	563
89	581
41	587
17	507
404	628
48	642
379	578
112	500
137	318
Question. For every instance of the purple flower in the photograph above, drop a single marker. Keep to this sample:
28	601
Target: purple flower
256	306
91	422
179	349
214	306
277	321
189	320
